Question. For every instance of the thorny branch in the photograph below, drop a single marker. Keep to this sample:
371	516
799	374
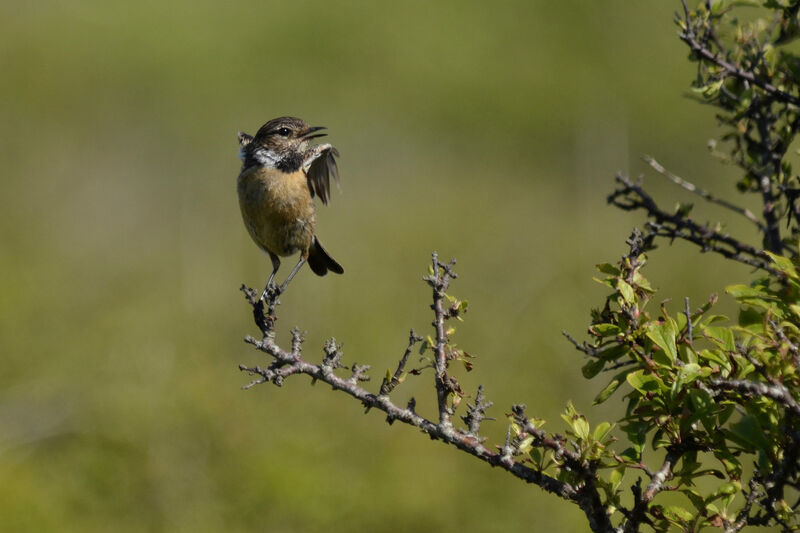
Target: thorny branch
705	195
476	414
689	36
389	384
440	281
757	389
641	500
632	196
508	457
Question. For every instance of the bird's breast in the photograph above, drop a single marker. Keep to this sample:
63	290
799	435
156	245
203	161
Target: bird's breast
277	209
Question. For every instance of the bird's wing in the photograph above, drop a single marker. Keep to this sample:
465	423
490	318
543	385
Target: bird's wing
319	169
244	140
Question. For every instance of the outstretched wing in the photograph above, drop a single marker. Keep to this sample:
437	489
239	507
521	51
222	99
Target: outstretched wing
319	169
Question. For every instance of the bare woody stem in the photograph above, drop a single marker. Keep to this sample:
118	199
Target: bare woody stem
632	196
585	492
440	281
691	187
289	363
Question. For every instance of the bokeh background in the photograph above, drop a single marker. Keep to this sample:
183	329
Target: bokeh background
487	131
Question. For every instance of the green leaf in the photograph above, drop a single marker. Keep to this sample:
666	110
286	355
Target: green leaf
536	455
607	281
677	514
642	282
752	319
756	295
711	319
581	427
608	268
690	372
526	445
701	405
637	435
626	291
577	421
722	337
726	489
614	353
743	291
717	6
784	264
661	440
749	433
732	465
663	334
423	346
609	389
630	454
601	431
605	330
644	383
615	478
695	497
592	368
714	357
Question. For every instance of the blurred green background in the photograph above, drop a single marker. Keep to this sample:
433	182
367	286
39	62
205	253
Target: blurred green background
488	132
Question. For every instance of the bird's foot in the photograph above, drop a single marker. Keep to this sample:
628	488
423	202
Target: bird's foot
271	292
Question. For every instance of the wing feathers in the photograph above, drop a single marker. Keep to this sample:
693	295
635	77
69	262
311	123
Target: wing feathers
320	169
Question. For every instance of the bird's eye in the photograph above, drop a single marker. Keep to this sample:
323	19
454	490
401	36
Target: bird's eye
284	132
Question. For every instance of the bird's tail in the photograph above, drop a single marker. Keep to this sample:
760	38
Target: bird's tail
320	261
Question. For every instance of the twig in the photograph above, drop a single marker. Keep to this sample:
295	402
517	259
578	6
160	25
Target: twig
476	413
388	386
642	499
688	36
751	389
288	363
583	347
772	233
791	346
560	452
440	281
663	474
676	225
658	167
744	513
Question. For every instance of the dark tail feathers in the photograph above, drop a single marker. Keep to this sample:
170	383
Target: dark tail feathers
319	260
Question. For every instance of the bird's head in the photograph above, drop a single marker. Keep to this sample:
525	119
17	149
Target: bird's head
286	135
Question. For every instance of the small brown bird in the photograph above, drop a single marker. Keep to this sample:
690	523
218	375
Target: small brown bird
280	175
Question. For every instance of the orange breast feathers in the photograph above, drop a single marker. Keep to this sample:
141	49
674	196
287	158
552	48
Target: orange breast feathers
277	209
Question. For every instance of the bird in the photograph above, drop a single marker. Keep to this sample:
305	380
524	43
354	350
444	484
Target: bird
280	175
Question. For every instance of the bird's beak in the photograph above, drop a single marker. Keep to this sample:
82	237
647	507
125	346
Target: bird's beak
307	135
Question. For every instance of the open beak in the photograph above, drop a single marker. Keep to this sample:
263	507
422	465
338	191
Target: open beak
307	135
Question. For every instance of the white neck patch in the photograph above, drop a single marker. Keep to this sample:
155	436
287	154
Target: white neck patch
262	156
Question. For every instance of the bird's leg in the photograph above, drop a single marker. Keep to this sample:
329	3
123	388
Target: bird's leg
300	263
276	264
